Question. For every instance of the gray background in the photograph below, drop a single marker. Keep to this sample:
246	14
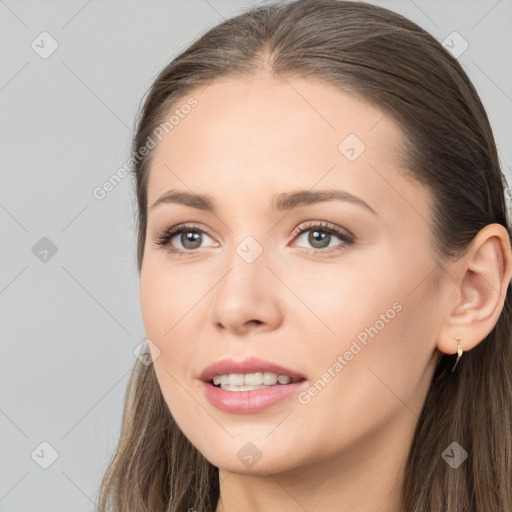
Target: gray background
70	321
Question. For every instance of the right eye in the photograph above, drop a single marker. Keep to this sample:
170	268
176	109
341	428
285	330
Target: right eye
189	236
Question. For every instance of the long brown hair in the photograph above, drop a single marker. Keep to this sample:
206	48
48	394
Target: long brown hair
390	62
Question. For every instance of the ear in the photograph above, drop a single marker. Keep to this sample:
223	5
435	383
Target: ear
481	278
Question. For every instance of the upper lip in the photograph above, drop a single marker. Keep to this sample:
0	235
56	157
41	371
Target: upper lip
250	365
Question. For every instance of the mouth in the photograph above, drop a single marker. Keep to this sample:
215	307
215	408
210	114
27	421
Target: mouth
249	386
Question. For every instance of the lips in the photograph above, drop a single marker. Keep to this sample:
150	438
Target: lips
250	365
251	402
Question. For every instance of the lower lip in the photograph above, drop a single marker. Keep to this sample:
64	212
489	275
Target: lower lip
248	402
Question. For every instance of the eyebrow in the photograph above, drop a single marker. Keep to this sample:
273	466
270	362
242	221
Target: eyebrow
282	202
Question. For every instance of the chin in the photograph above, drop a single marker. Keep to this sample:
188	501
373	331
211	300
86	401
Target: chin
247	458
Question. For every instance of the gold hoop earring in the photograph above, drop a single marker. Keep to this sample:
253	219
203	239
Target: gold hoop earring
459	353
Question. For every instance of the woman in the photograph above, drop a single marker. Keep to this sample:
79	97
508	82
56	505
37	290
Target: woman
324	261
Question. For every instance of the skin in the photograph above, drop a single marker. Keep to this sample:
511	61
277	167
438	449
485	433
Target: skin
245	142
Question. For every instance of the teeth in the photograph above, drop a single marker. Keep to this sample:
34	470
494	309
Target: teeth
241	388
258	379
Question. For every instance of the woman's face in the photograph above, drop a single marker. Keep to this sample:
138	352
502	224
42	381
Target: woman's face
352	313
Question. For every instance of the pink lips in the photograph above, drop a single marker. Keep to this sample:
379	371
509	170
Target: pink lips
256	400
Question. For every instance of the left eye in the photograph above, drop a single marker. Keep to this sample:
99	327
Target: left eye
320	236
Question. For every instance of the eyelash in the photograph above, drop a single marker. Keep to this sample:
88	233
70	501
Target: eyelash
348	238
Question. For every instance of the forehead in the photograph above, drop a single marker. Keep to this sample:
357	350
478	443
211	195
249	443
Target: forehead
265	112
263	133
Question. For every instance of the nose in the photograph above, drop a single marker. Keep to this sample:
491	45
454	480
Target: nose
247	295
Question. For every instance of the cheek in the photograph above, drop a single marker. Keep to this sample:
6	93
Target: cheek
170	311
372	373
165	299
164	317
338	305
375	336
